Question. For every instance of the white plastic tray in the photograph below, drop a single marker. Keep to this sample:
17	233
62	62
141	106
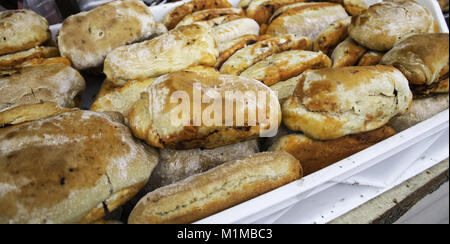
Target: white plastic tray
335	190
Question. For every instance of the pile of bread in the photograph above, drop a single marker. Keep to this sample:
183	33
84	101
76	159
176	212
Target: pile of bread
344	77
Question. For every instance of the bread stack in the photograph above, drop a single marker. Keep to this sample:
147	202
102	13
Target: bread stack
210	108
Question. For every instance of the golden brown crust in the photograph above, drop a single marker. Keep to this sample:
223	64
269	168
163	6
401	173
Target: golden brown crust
15	59
330	103
218	189
237	44
102	30
265	47
210	14
180	48
384	24
296	19
152	119
331	36
30	112
52	82
371	58
177	14
316	155
21	30
285	65
422	58
63	168
354	7
347	53
262	10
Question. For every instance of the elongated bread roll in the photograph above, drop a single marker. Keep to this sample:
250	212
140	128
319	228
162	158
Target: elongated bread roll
177	165
331	103
262	10
210	14
69	168
10	61
297	18
197	121
331	36
227	49
181	48
371	58
21	30
422	58
315	155
218	189
38	90
174	16
383	24
233	29
86	38
285	65
347	53
252	54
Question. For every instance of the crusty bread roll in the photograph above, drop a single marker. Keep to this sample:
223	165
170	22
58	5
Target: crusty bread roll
69	168
178	49
21	30
28	90
218	189
10	61
384	24
233	29
297	18
210	14
177	165
422	58
315	155
86	38
331	103
371	58
163	121
262	10
285	65
174	16
347	53
421	110
354	7
227	49
257	52
331	36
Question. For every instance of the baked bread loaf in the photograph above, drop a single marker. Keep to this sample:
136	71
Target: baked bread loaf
227	49
156	119
262	10
181	48
218	189
285	65
177	165
331	36
331	103
371	58
173	17
233	29
422	58
421	110
25	93
210	14
347	53
383	24
11	61
86	38
21	30
354	7
253	54
297	18
315	155
69	168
